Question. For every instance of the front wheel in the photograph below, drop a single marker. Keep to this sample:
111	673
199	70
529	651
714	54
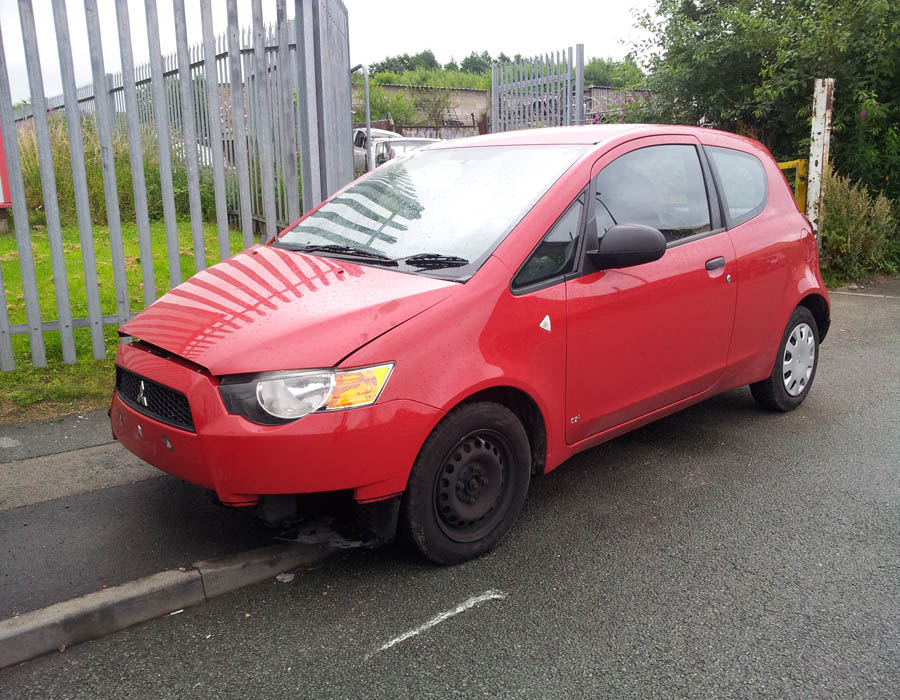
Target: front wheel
468	483
795	367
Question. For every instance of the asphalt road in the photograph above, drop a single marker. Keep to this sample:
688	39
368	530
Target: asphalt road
720	552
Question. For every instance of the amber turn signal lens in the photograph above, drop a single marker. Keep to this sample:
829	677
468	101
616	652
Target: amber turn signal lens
358	387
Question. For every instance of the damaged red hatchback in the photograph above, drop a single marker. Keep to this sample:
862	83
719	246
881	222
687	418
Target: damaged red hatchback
473	314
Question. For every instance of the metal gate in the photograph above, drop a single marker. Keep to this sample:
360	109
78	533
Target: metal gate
239	108
542	91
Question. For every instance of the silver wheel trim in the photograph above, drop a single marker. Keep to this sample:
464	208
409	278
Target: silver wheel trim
798	359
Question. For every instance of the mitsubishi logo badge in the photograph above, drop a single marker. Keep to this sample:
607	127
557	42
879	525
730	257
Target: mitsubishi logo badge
141	395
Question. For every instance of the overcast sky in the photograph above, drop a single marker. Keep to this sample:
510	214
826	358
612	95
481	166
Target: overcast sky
378	28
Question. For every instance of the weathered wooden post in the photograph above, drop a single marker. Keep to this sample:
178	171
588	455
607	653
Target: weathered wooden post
819	142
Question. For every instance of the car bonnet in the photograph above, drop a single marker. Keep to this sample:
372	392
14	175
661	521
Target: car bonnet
268	308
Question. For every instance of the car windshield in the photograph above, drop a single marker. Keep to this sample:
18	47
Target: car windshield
450	207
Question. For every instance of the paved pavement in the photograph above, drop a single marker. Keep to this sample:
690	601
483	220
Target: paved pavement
73	522
25	440
720	552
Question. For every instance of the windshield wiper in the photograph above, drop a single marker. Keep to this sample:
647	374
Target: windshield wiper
345	250
434	260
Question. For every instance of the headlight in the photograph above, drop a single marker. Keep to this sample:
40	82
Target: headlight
291	395
273	398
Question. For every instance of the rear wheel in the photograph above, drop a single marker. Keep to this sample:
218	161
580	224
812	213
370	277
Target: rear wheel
468	483
795	367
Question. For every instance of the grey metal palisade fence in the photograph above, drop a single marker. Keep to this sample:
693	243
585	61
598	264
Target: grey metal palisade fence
284	104
541	91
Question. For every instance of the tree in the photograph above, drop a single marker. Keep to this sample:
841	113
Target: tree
749	66
433	103
476	63
404	62
398	105
610	73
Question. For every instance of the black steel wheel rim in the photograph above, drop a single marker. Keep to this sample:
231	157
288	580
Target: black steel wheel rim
473	486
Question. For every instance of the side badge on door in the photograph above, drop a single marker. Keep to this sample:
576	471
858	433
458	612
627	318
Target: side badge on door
545	324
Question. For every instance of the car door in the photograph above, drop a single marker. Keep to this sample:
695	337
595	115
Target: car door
642	338
359	150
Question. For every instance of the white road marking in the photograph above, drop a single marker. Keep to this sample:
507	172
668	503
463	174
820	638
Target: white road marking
438	619
863	294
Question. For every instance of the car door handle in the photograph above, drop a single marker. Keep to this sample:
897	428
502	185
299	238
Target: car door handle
715	263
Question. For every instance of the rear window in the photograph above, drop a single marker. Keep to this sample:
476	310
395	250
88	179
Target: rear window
742	178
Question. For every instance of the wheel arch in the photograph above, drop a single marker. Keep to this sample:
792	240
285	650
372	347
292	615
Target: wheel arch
818	307
526	410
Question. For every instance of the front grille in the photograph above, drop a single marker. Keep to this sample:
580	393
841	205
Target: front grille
155	400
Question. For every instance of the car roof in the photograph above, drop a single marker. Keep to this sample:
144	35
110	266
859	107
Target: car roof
401	139
589	134
382	133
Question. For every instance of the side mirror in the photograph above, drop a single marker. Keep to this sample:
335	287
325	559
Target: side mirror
625	245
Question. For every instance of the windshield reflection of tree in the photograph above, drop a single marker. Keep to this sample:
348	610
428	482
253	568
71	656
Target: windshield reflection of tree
391	189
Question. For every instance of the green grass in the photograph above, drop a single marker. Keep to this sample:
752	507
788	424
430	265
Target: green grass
29	393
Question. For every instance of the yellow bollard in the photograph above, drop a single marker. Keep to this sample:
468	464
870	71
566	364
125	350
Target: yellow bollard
800	178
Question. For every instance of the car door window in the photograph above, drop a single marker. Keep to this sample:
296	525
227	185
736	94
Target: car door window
555	255
658	186
743	182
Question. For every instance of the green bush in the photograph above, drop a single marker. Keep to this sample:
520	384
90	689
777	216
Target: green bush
65	189
400	106
859	231
435	77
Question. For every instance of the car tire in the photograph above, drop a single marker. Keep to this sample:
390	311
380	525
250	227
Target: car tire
795	366
468	483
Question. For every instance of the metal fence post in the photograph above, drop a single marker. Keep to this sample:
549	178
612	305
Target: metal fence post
579	83
110	186
136	153
111	99
189	136
164	144
263	126
495	98
79	179
306	92
214	114
238	117
20	218
569	88
48	180
286	117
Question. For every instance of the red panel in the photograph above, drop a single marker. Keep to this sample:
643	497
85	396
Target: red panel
484	339
5	193
645	337
370	450
777	265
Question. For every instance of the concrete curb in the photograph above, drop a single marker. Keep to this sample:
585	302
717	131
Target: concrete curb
110	610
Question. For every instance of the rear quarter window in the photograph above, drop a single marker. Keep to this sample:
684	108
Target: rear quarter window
742	180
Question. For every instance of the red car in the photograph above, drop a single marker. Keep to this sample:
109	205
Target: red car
471	315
